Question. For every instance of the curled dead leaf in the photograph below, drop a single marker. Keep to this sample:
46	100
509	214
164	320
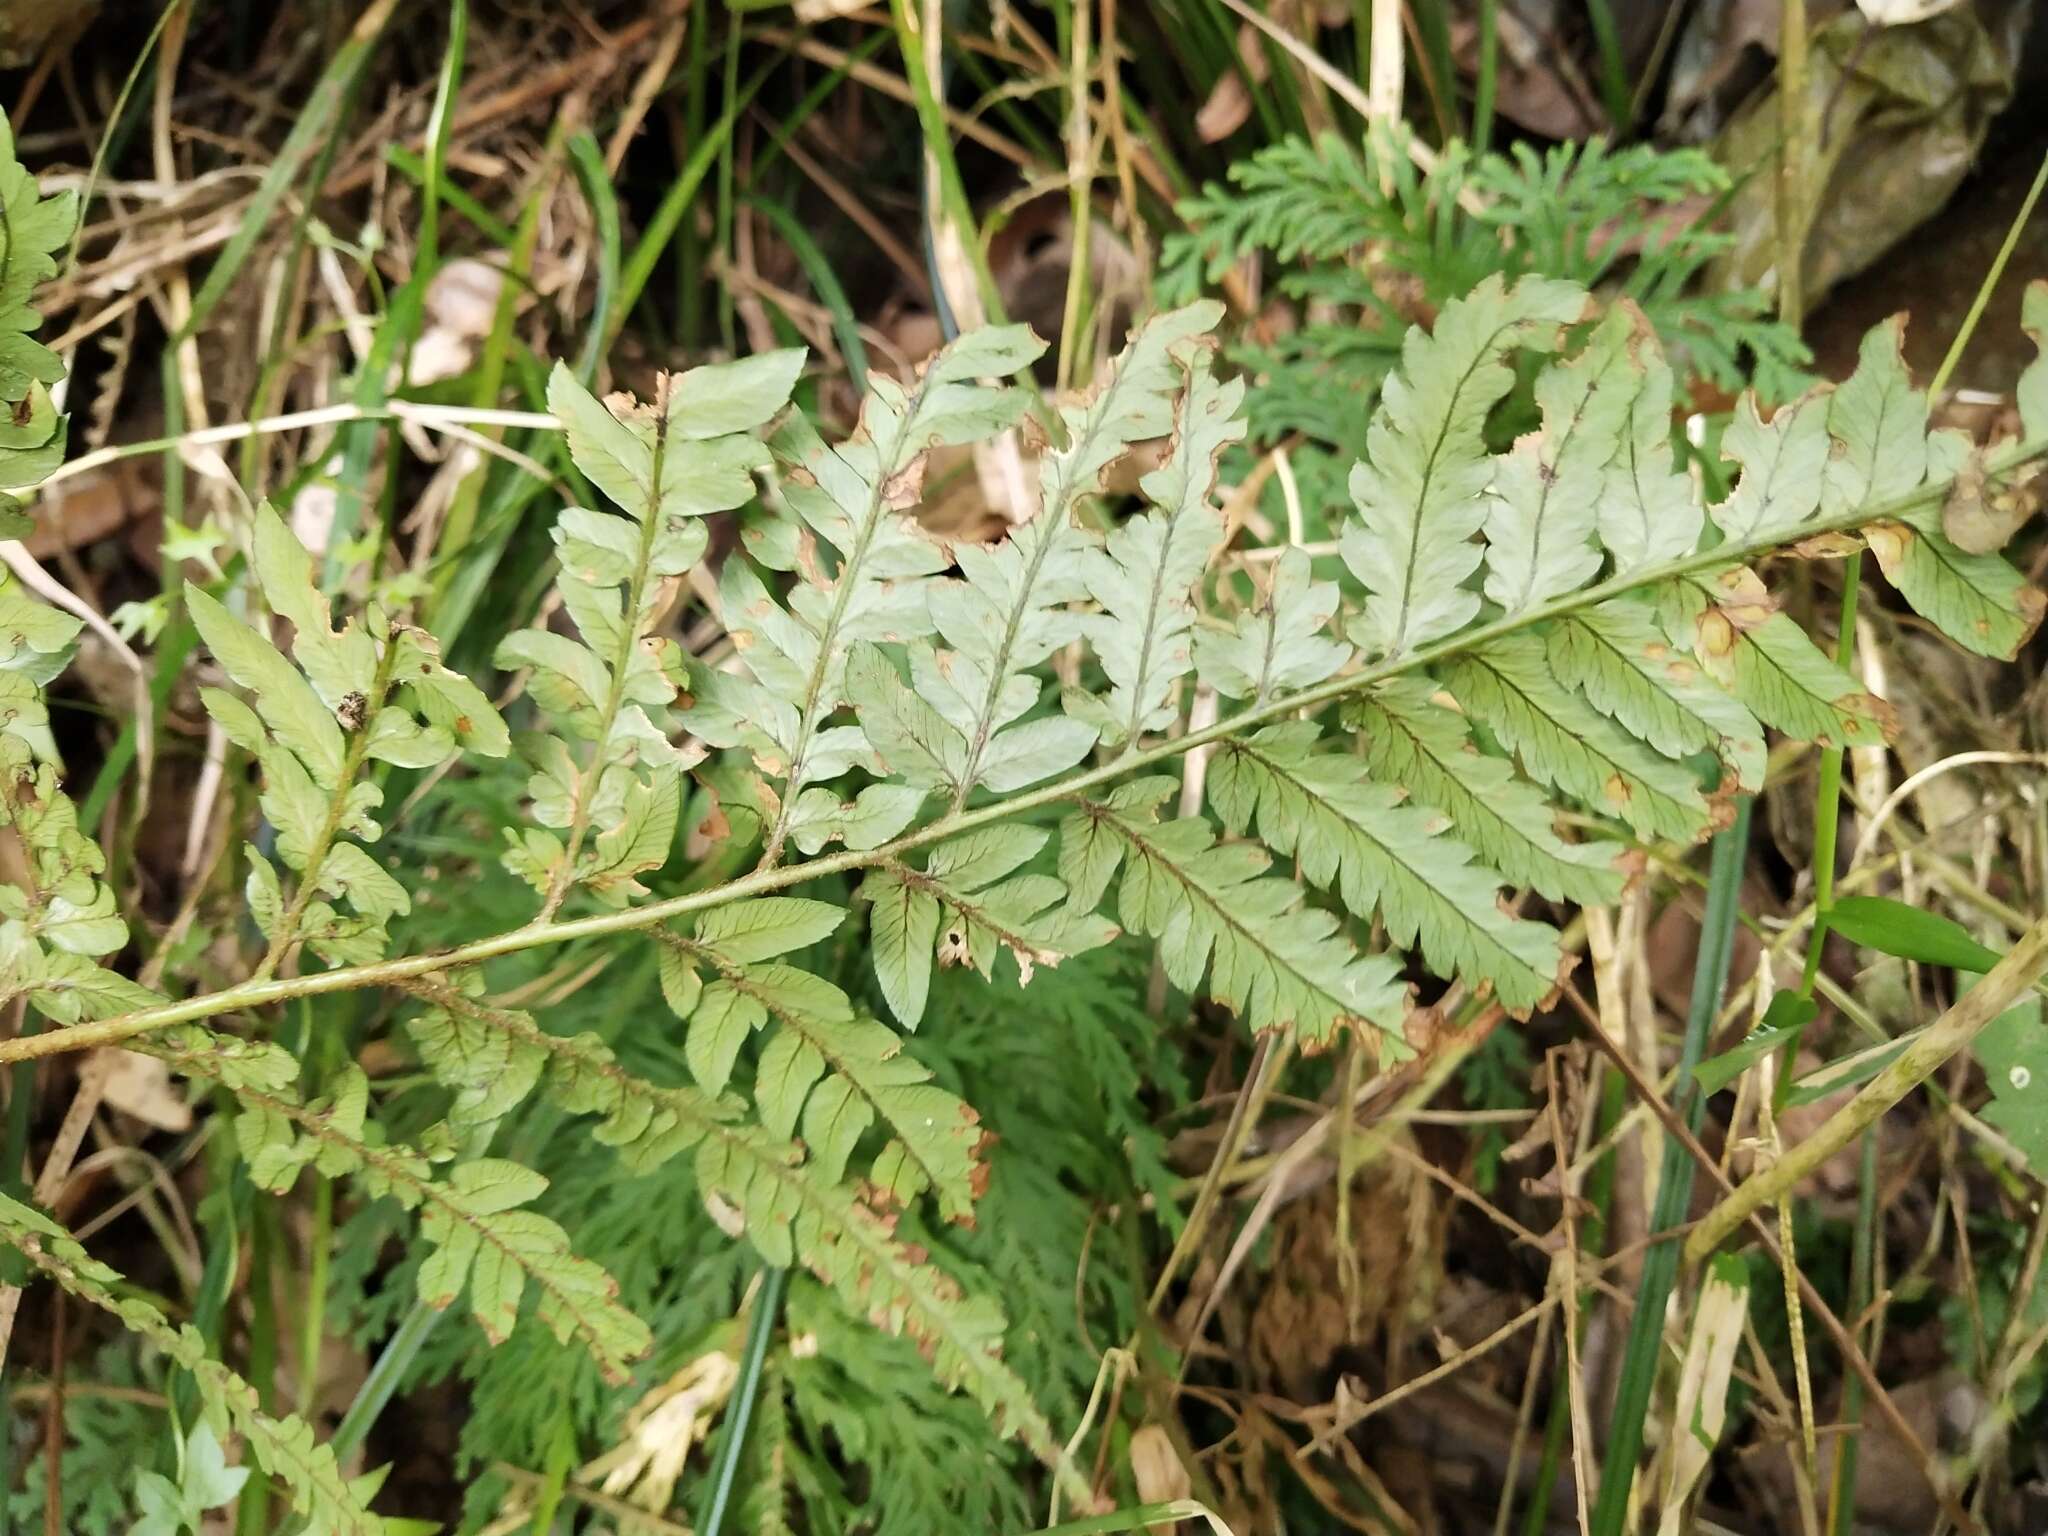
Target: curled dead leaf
1981	515
1827	546
141	1086
1743	598
1156	1467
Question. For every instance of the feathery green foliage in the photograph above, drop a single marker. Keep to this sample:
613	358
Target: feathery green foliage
1623	220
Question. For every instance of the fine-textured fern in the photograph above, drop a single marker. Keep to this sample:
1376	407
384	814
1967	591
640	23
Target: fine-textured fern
1621	219
1545	654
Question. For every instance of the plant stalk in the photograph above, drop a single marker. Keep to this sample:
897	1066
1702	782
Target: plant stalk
2001	987
1674	1184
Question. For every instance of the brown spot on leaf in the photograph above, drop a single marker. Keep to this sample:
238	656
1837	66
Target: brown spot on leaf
905	488
1744	599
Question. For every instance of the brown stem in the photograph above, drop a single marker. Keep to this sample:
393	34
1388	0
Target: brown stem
2012	977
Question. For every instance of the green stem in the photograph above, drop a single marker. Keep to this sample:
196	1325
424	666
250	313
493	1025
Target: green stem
740	1410
1674	1184
1614	89
261	993
392	1363
951	198
1827	806
1485	85
313	1324
1954	355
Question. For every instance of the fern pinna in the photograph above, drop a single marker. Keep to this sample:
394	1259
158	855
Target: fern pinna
970	752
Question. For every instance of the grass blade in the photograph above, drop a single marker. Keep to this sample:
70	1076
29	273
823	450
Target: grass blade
1674	1183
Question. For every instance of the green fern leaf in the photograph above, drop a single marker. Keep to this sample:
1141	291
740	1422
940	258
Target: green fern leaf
785	1204
481	1242
32	430
826	1071
795	1219
1563	741
1217	913
2033	385
38	228
284	1447
1975	598
285	700
1418	497
1620	660
1409	739
1012	607
1347	832
1144	579
1648	513
667	465
1879	424
1770	665
967	905
1783	467
370	690
1541	519
852	498
1281	644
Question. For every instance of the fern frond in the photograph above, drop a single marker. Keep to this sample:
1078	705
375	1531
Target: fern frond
1879	424
1769	663
57	924
61	919
1413	547
374	691
961	726
33	228
1647	512
1293	198
1144	579
284	1447
2032	393
1621	220
826	1070
853	498
1566	743
1281	644
791	1208
1541	519
1346	831
967	905
1218	913
1783	466
1409	739
666	465
1621	661
481	1242
1975	597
